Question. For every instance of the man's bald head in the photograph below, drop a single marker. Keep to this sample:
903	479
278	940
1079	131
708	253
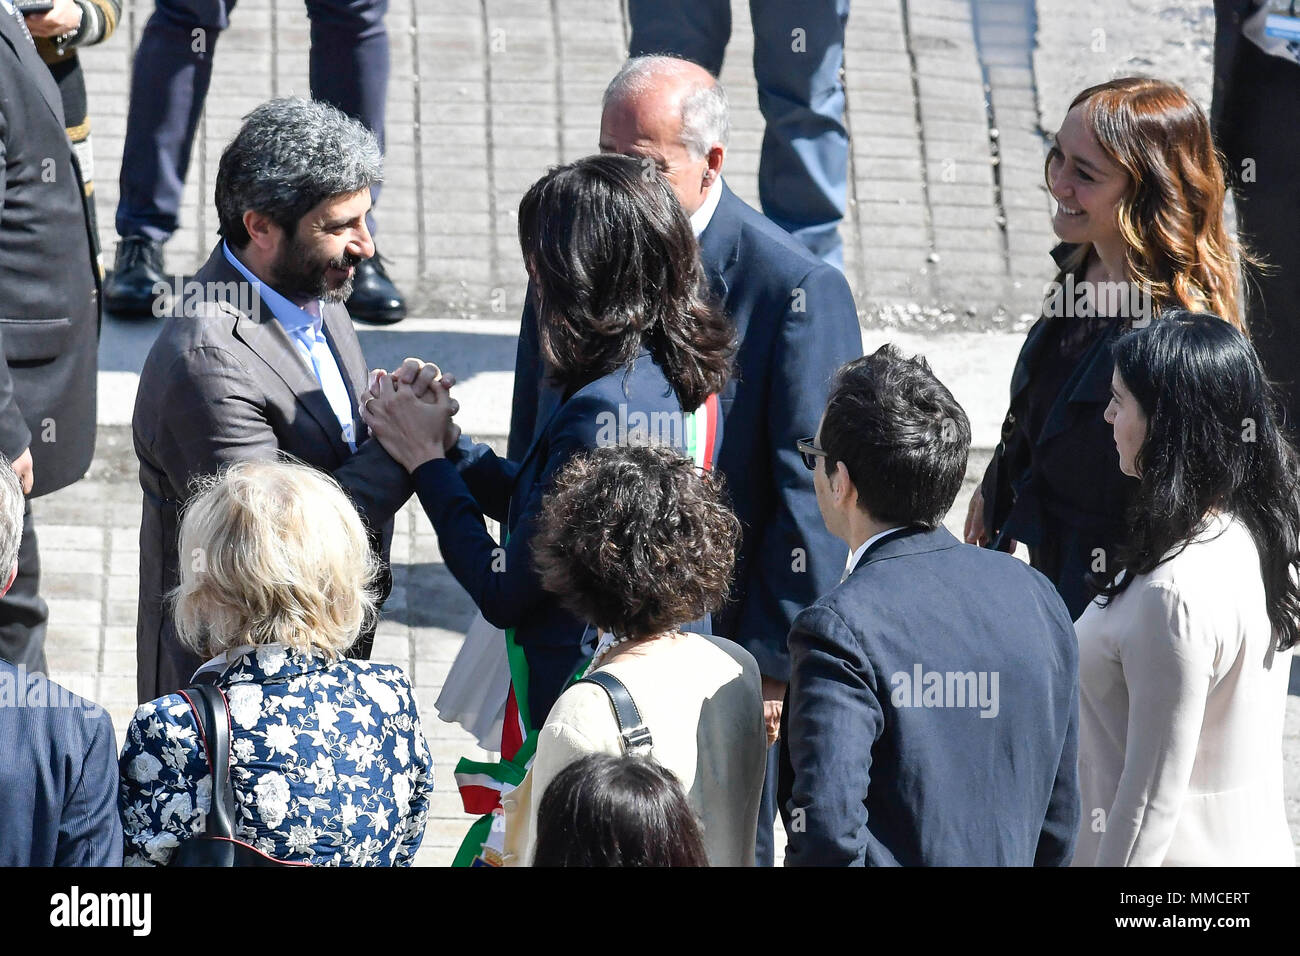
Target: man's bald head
673	112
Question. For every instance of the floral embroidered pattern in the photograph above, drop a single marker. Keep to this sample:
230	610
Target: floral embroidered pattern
328	763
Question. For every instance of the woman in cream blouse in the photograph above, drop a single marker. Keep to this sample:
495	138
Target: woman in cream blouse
1184	657
635	541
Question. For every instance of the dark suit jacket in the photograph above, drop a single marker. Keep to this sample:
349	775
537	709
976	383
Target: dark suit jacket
554	640
49	280
873	779
796	324
222	385
1257	127
58	775
1228	44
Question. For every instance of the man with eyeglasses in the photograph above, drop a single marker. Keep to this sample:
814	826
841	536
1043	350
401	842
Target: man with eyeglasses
933	706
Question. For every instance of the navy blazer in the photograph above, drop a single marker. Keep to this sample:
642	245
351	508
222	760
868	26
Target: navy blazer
58	776
501	580
796	324
888	764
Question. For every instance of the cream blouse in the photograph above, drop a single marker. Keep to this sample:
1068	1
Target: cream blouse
1182	699
701	697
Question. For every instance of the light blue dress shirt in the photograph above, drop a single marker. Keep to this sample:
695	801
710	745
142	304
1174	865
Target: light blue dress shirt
304	328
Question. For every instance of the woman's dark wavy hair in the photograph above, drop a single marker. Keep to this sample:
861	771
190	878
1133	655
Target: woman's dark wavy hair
617	811
615	266
1212	442
635	540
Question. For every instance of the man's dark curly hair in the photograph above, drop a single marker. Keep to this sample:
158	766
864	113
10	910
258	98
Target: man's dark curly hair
636	541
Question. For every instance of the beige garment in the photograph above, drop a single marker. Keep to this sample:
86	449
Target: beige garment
1181	705
701	697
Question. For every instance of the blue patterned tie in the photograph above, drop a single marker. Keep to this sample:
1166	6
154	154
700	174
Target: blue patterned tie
327	372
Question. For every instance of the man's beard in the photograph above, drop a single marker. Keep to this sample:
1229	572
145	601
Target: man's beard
300	276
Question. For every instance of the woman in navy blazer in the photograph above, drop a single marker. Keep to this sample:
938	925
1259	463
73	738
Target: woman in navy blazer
639	355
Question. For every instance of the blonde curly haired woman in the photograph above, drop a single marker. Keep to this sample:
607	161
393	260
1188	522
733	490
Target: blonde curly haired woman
328	760
1139	193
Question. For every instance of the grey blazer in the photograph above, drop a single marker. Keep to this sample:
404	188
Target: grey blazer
224	383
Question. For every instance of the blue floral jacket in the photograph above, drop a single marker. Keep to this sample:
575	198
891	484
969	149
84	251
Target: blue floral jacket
328	763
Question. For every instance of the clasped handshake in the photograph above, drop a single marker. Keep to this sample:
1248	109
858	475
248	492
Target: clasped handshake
410	411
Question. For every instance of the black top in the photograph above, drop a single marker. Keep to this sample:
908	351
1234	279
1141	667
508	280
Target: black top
1055	482
1057	363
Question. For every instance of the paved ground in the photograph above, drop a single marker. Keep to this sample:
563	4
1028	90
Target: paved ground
946	240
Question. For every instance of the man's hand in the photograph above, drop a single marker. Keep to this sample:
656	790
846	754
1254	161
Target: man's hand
422	378
409	429
64	18
22	466
773	696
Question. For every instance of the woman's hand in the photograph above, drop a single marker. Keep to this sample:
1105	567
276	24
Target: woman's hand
411	429
65	18
974	533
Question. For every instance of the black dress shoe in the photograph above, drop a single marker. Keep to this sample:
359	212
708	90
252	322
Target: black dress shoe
374	297
129	290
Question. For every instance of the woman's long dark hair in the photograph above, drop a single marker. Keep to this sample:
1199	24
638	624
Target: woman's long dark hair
616	266
1212	443
617	811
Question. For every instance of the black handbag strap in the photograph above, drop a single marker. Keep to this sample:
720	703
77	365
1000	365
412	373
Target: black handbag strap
631	727
209	705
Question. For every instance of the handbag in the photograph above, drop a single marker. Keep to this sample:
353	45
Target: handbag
632	730
217	845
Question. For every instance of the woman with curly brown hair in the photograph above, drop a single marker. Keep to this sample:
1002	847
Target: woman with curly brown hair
636	541
1139	192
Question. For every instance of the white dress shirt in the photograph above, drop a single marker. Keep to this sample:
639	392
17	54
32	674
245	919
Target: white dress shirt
304	328
701	218
862	548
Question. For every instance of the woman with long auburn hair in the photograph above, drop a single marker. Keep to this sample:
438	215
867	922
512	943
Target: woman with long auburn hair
1139	194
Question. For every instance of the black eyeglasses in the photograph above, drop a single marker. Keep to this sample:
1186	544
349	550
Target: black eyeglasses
809	451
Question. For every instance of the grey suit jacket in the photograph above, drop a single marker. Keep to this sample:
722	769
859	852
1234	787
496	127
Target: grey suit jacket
49	294
224	383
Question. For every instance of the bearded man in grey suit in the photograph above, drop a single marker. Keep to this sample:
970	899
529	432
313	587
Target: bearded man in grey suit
259	357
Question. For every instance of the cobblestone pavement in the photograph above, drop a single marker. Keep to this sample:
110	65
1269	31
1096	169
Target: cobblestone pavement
946	241
947	208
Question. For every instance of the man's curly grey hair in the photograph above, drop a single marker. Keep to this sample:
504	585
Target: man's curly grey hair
290	155
705	118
